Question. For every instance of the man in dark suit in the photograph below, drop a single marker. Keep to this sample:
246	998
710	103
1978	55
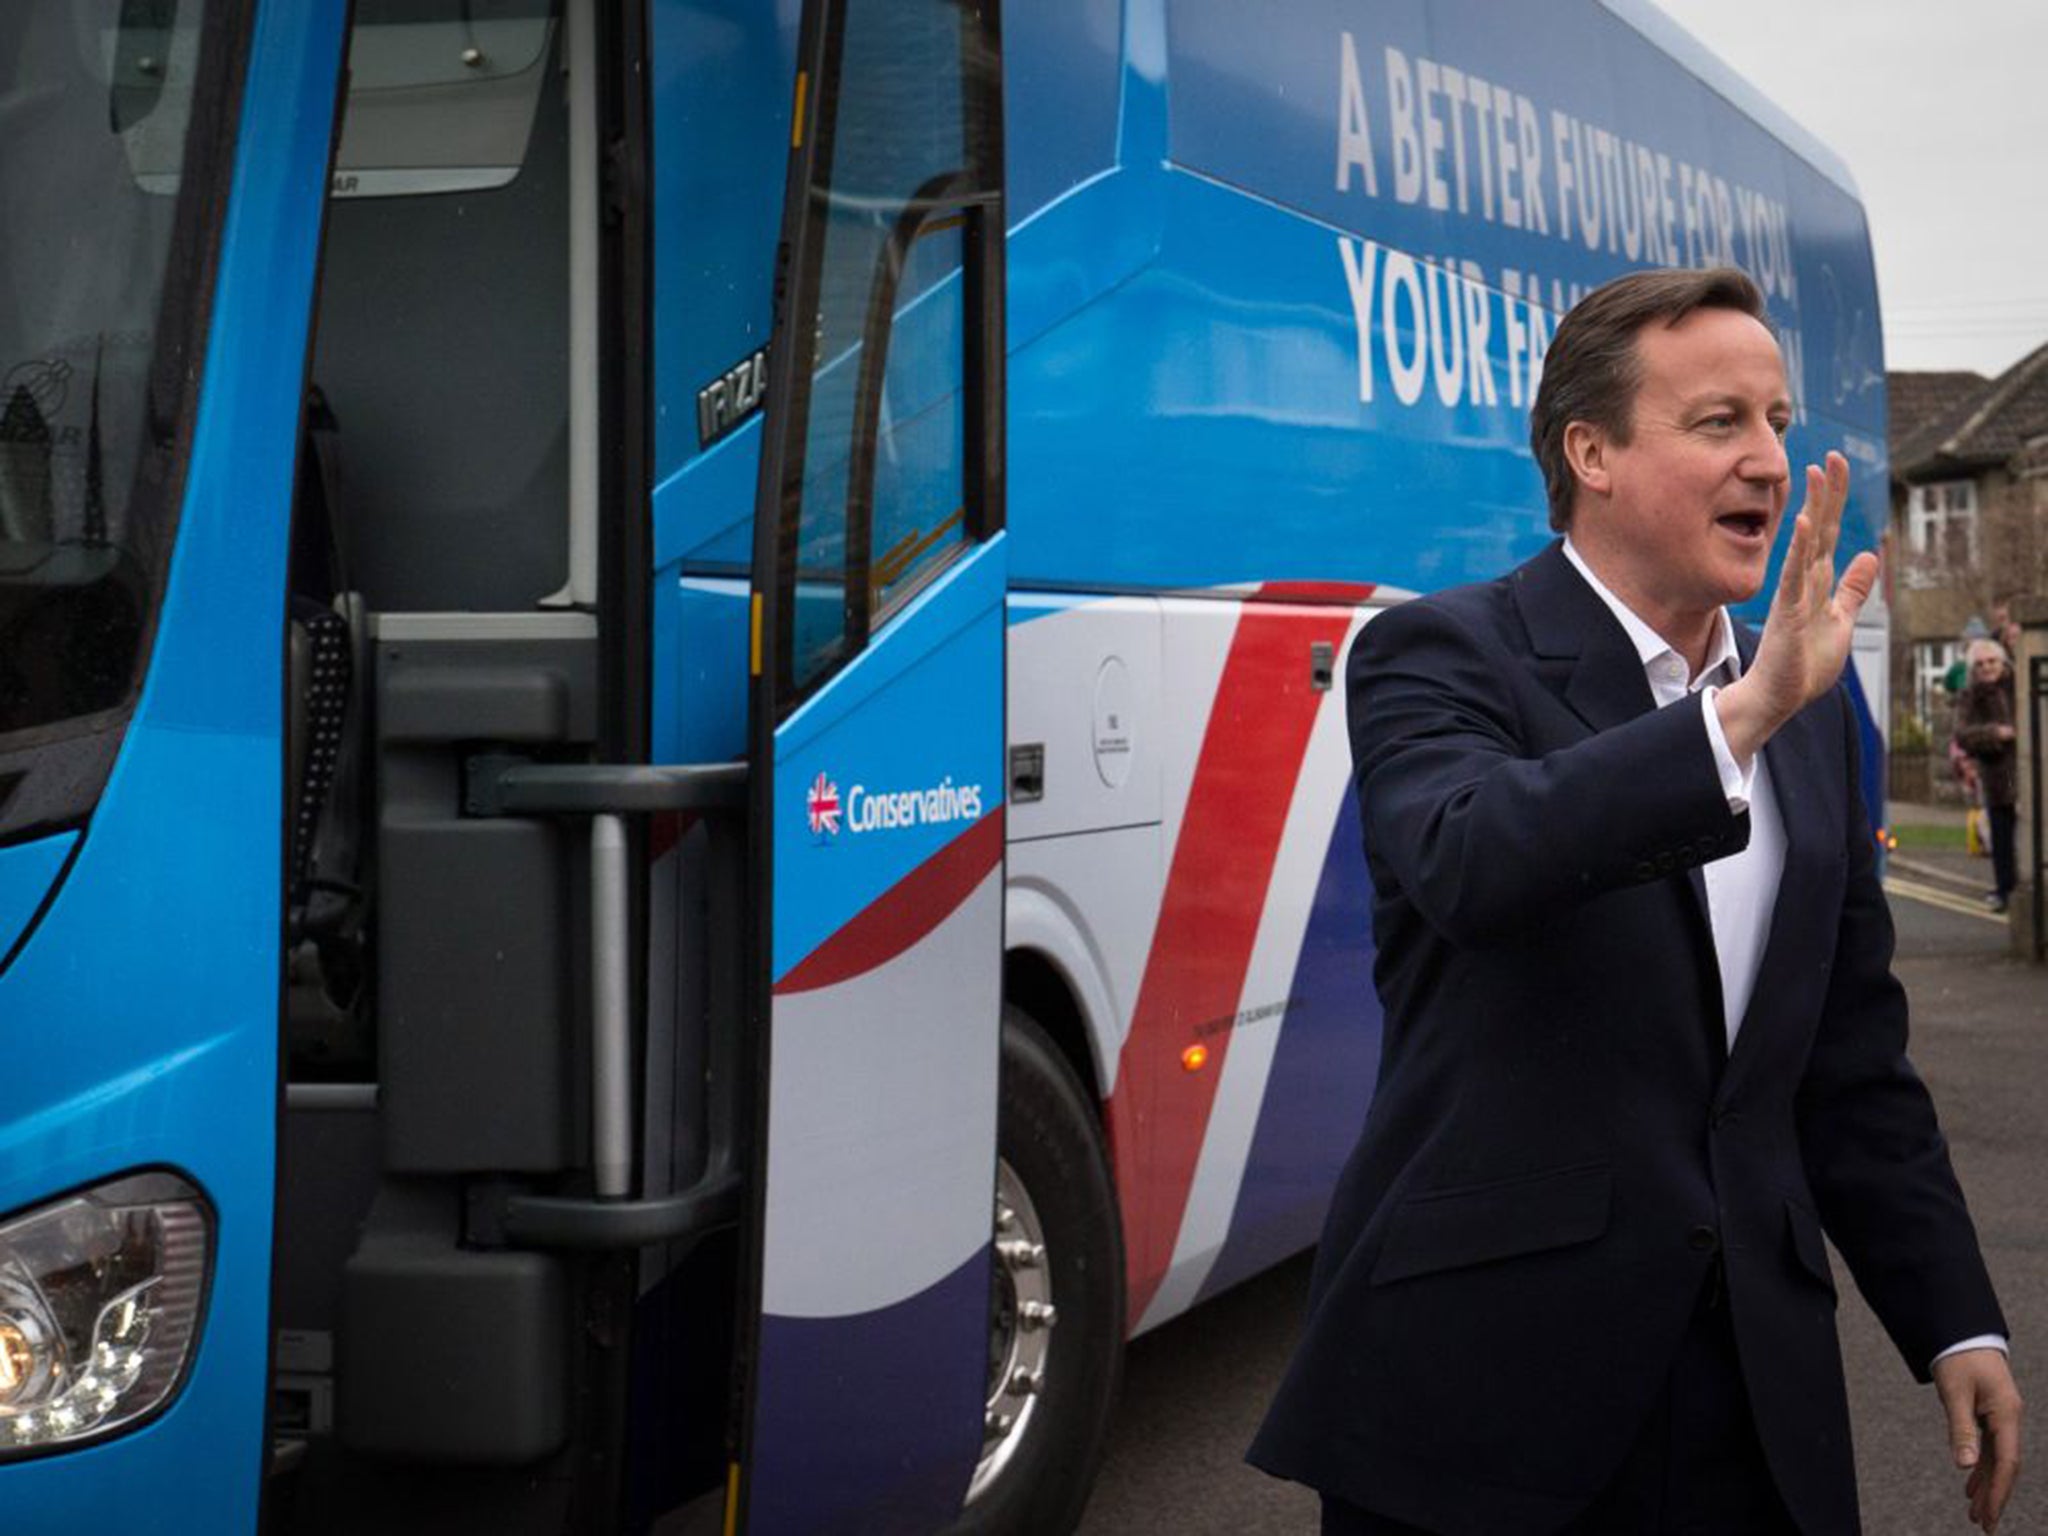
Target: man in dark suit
1643	1046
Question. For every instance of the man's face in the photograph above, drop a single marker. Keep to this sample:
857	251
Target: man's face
1694	498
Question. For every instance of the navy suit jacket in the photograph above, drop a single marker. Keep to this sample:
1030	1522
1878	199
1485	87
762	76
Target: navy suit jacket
1561	1147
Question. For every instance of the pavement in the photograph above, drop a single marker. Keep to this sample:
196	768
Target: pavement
1195	1389
1950	877
1944	868
1980	1040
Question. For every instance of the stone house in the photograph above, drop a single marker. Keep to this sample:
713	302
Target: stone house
1969	523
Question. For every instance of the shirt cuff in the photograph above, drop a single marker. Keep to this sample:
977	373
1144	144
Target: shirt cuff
1995	1341
1737	782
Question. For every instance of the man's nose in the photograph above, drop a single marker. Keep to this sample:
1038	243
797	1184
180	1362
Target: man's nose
1763	459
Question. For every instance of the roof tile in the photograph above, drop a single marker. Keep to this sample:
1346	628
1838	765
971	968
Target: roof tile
1942	423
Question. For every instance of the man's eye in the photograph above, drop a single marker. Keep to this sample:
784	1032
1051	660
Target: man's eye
1781	428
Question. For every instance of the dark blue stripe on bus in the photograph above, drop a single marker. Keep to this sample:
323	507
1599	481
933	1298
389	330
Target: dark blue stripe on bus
872	1422
1324	1068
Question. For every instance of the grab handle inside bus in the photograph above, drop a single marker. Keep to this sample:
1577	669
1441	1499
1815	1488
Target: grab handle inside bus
503	785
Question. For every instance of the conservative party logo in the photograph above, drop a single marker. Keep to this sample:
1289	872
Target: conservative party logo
865	810
821	806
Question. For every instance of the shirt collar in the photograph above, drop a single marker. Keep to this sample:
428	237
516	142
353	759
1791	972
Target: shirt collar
1652	647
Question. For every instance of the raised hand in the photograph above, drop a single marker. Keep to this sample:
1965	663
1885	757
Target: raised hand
1812	621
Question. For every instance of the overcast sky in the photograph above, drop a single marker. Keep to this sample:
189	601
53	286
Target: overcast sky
1941	111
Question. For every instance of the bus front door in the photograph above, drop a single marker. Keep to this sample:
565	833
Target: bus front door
163	169
877	798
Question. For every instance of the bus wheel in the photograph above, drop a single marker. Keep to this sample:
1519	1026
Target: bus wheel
1056	1298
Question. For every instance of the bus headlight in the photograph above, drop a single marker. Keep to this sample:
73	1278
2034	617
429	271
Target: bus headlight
100	1299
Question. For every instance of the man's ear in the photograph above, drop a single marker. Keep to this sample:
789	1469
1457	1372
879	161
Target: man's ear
1585	450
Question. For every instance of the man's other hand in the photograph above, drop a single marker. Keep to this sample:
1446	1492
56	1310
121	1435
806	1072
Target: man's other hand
1812	621
1983	1407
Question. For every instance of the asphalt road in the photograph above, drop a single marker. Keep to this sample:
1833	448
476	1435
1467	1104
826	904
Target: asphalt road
1194	1390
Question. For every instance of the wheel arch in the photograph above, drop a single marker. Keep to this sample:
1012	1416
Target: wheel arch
1038	984
1055	973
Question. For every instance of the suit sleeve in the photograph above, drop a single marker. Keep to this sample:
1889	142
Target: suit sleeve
1487	836
1872	1147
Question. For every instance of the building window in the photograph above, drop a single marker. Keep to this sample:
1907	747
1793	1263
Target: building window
1941	530
1932	701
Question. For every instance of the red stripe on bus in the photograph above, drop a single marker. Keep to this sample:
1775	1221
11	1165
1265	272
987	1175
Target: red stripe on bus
1216	887
1348	593
905	913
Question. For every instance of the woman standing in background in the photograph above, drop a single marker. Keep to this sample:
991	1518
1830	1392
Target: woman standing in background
1984	725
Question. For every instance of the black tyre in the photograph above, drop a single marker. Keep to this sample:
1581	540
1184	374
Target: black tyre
1056	1306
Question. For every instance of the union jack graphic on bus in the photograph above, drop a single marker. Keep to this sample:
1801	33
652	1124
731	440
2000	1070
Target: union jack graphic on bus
821	805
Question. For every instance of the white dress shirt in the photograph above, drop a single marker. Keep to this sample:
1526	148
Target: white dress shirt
1742	889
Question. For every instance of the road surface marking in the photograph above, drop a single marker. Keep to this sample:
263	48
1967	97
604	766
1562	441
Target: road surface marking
1934	896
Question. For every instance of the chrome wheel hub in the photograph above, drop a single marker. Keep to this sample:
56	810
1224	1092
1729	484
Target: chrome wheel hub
1021	1318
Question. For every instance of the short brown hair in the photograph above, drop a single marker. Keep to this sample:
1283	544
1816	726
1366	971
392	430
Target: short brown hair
1591	370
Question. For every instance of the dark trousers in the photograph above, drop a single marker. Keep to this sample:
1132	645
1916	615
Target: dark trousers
2004	866
1697	1468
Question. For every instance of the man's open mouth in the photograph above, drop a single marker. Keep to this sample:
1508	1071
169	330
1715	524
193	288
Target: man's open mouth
1748	525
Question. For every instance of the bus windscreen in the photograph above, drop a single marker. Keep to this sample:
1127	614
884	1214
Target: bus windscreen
97	335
